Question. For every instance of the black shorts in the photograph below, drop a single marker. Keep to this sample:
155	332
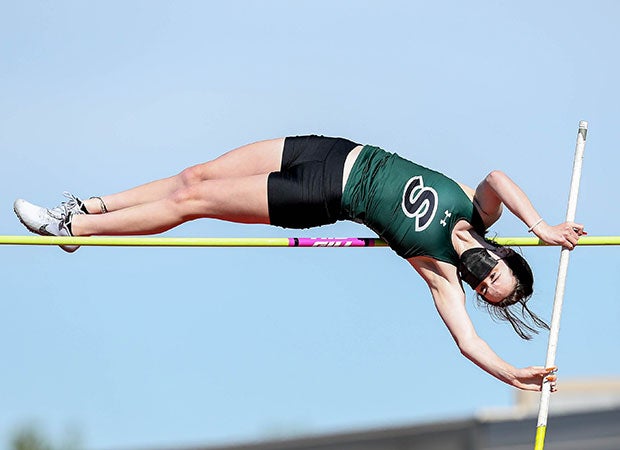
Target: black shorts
307	191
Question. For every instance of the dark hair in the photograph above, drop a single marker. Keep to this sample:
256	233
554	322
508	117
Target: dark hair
513	308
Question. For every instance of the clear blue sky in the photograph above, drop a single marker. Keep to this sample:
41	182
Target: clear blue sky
155	347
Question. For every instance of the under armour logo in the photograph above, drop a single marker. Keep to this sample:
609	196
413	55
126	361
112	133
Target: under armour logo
443	221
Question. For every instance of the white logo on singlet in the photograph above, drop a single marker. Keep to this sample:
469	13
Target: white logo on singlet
419	202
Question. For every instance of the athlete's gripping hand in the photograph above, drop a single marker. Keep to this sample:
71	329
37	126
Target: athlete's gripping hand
532	378
565	234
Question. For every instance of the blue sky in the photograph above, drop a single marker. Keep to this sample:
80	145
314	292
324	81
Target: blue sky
152	347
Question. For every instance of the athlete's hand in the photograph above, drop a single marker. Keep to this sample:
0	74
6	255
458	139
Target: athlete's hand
565	234
531	378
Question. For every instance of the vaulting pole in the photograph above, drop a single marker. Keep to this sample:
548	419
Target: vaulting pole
543	411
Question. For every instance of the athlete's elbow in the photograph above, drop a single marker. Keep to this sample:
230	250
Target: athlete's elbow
467	346
465	350
495	177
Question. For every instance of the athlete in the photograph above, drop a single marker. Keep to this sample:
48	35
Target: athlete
435	223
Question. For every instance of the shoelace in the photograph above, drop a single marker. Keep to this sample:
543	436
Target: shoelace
65	210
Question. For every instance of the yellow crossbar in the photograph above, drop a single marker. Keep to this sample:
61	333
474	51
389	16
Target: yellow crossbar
130	241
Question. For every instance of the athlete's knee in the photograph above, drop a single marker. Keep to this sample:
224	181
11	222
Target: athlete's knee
191	202
194	174
185	194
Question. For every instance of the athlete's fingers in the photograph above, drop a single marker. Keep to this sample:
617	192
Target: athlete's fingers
577	227
571	238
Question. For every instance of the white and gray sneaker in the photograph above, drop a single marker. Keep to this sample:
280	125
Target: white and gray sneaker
50	222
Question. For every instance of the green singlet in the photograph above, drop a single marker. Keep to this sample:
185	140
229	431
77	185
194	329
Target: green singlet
412	208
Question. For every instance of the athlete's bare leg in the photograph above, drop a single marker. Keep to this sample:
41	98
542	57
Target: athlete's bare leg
258	158
242	199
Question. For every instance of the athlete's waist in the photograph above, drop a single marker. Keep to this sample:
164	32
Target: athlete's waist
348	164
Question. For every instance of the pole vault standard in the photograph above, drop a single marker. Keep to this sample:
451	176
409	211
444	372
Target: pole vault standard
543	411
302	242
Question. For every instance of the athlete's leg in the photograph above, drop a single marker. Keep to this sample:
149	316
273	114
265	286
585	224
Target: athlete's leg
258	158
242	199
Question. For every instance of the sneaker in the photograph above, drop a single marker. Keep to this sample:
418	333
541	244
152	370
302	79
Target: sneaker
50	222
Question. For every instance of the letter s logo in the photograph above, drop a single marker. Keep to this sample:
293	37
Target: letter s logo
419	202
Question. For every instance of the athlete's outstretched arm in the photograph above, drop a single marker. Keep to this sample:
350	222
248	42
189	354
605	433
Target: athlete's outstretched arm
497	189
450	303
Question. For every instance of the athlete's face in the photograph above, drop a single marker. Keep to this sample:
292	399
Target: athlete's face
498	284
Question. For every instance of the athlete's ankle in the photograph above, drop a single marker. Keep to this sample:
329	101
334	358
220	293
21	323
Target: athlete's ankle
95	205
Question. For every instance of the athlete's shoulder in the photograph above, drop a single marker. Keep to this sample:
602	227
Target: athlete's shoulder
468	190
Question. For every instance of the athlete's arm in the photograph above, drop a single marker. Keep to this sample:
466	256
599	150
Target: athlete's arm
450	303
497	189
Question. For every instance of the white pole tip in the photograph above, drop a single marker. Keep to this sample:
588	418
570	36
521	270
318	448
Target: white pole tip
583	124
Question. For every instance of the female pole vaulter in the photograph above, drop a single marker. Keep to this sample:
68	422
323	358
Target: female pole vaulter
435	223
